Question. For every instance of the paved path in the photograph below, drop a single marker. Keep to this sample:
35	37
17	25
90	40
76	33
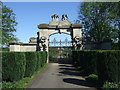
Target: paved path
58	75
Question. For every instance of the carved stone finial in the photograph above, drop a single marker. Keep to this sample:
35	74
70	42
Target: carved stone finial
64	17
55	17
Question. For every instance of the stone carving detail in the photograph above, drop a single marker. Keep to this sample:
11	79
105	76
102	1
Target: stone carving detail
55	17
77	42
64	17
43	43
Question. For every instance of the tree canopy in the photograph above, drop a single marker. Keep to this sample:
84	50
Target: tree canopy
100	20
8	25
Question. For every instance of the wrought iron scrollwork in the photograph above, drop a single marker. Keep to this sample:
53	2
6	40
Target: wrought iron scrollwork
55	42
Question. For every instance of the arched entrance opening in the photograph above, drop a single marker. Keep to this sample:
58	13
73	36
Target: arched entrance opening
59	46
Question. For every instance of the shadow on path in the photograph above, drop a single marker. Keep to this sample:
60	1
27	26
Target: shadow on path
78	82
66	68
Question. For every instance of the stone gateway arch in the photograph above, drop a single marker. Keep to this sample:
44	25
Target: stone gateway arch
56	26
41	43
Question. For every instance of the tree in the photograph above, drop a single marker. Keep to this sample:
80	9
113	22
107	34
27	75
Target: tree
98	22
8	25
115	12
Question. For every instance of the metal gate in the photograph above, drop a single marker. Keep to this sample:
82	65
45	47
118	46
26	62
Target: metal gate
59	49
60	43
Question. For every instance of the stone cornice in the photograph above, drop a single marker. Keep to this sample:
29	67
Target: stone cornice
48	26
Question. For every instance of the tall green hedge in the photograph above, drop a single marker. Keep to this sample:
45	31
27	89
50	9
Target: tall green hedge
31	63
38	60
16	65
86	60
34	61
109	66
104	63
43	58
13	66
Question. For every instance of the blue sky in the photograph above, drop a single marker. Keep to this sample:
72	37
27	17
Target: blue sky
30	14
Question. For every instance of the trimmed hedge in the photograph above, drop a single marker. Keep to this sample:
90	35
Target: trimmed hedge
13	66
38	61
109	66
43	58
31	63
86	61
106	64
16	65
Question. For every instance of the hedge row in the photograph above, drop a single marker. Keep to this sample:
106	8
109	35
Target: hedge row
109	66
86	61
106	64
13	66
16	65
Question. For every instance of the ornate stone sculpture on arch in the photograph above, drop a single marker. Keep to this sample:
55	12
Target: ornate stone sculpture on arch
64	17
77	42
43	43
55	17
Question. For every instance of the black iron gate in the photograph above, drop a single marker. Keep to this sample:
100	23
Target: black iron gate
60	43
59	49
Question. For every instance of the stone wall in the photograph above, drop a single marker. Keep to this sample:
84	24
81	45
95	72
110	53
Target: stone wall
106	45
22	47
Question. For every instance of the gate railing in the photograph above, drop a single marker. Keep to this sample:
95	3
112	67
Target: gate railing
60	43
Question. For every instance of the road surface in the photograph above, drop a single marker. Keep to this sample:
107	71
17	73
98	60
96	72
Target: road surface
60	75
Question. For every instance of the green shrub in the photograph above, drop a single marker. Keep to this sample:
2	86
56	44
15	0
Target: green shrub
110	85
31	63
34	61
16	65
86	60
8	85
13	66
43	58
38	60
104	63
53	54
92	78
109	66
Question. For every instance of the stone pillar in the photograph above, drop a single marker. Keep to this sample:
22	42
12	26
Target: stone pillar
43	37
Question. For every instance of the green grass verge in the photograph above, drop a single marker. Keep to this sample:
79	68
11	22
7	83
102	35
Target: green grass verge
17	84
22	83
92	78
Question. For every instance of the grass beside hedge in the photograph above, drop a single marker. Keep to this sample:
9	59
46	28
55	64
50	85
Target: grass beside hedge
17	84
104	63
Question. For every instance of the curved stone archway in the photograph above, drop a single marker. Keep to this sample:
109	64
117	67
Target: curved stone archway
56	26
